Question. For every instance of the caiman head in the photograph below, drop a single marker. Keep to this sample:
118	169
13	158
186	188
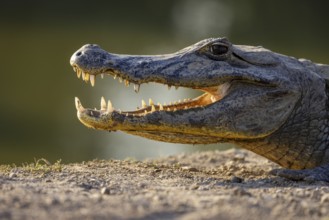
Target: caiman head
248	92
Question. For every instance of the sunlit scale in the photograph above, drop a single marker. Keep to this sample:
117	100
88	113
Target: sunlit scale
212	95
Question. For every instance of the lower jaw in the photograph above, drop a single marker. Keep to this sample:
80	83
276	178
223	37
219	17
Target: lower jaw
181	138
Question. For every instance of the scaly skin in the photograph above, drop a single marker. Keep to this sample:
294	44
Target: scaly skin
269	103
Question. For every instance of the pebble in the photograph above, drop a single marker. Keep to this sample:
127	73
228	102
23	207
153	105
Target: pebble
194	187
105	191
236	179
12	175
241	192
52	201
191	169
325	198
239	157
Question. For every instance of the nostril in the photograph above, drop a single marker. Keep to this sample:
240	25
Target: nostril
78	54
92	45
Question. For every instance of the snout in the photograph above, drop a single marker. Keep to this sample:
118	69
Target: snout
79	54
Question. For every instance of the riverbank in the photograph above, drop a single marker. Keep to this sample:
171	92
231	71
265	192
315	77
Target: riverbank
233	184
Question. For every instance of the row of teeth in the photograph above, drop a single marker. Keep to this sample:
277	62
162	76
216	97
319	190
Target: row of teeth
85	76
104	107
92	78
108	107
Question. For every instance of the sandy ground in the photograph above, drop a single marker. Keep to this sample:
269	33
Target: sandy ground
232	184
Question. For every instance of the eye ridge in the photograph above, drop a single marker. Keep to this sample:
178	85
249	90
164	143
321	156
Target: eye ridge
218	49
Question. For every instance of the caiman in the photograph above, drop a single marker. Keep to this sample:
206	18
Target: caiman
274	105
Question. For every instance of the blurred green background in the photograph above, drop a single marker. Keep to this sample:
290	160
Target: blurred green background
37	38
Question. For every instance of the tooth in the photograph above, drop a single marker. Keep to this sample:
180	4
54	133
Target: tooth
126	83
109	106
169	87
175	109
179	101
92	80
151	102
87	76
78	73
164	103
115	76
102	75
145	112
185	100
161	107
119	110
127	114
185	107
213	99
83	75
120	79
74	69
153	108
78	105
103	104
143	104
136	87
176	87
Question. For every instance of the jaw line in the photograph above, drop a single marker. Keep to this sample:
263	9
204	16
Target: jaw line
210	96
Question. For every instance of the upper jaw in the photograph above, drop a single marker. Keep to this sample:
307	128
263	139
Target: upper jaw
185	68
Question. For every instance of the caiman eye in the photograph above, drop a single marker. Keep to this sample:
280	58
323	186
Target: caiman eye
218	49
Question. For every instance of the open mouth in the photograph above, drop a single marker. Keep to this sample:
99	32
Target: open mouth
210	96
